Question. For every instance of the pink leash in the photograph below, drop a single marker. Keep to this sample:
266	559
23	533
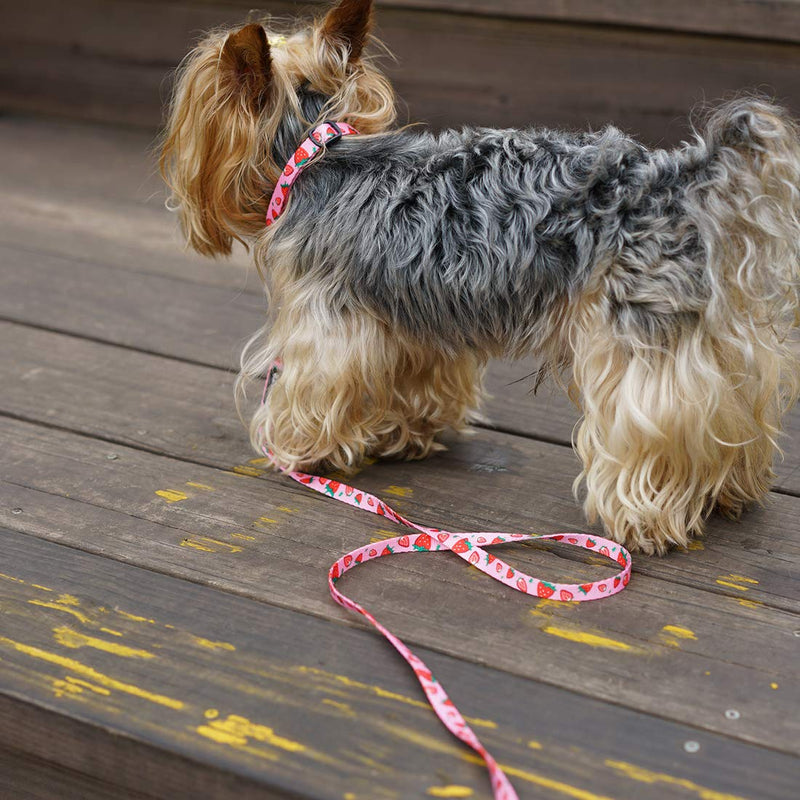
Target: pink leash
468	546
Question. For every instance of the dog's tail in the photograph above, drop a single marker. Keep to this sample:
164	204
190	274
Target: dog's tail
748	213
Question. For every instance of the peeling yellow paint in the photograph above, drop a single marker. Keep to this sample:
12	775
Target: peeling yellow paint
91	674
400	491
195	546
203	486
11	578
133	617
748	603
773	685
39	586
646	776
250	472
110	631
544	608
68	600
199	640
75	640
260	461
450	791
243	536
268	520
62	687
236	731
534	745
730	585
381	535
590	639
681	633
385	694
743	579
287	510
695	545
86	685
436	745
64	609
345	708
172	495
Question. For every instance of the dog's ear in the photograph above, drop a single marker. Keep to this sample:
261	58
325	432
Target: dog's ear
246	60
349	22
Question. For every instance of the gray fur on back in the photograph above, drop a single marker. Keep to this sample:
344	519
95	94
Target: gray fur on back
469	238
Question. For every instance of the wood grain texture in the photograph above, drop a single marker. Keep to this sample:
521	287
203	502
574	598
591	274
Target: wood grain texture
231	691
185	411
667	648
101	61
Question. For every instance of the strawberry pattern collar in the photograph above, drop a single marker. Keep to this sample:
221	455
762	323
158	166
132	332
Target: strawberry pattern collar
322	137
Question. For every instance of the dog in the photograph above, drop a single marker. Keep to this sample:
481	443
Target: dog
662	284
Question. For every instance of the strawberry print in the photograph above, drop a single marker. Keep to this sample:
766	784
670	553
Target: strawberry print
359	558
373	552
497	540
617	581
300	156
499	566
510	573
404	541
423	542
462	546
604	551
621	560
545	589
335	571
572	540
586	587
602	587
348	560
387	551
565	595
474	558
288	170
442	537
591	543
557	538
625	578
359	498
332	487
521	585
490	558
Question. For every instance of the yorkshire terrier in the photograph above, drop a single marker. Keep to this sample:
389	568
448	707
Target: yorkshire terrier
663	283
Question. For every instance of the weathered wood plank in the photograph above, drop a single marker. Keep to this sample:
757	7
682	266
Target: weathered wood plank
102	61
208	325
151	663
685	654
185	411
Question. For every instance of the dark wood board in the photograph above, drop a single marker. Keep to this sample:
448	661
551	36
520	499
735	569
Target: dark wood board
102	61
172	689
209	325
185	411
662	647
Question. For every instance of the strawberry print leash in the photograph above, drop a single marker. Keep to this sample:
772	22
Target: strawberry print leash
469	547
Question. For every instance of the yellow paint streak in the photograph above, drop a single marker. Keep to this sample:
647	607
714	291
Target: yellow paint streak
250	472
11	578
68	600
534	745
237	731
76	640
343	707
232	547
111	632
172	495
450	791
87	685
260	462
645	776
268	520
62	687
430	743
134	618
57	607
545	608
243	536
202	486
39	586
743	579
381	535
733	585
680	633
194	545
400	491
199	640
385	694
695	545
590	639
749	603
773	685
287	510
91	674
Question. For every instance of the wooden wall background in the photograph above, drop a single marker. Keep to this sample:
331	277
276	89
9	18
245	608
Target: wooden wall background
639	63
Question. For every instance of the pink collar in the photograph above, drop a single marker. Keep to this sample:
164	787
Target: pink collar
322	137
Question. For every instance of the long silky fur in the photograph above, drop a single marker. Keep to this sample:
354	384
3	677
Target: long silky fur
665	280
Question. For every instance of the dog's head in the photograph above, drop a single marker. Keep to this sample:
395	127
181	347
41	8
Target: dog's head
244	99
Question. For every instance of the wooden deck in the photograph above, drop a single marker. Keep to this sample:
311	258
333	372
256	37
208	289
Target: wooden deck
166	627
